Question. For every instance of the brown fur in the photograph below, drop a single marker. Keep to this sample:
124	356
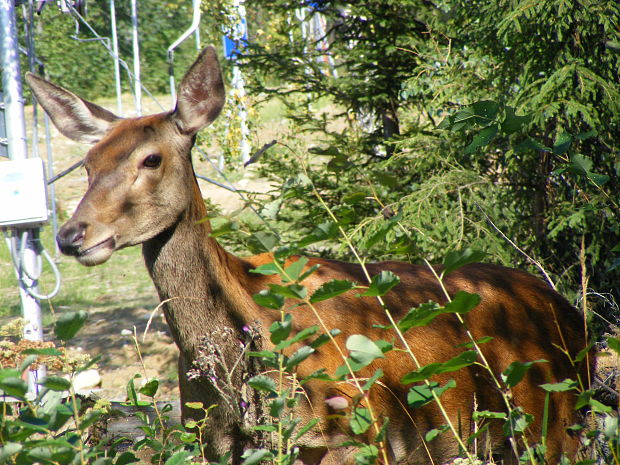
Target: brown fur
208	296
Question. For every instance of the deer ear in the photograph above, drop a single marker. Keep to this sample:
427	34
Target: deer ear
74	117
201	93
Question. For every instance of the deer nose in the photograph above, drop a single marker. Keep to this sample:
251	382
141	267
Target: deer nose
71	237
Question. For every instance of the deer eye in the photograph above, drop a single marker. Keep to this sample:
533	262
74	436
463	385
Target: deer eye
152	161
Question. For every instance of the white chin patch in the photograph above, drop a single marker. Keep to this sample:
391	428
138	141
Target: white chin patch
95	256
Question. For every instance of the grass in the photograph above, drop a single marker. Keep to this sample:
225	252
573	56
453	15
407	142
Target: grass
122	278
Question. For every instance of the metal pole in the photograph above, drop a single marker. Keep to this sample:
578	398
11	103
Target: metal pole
18	150
117	66
193	27
136	58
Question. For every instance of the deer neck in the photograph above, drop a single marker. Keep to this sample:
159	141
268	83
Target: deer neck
202	286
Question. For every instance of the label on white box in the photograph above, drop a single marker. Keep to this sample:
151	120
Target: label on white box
23	192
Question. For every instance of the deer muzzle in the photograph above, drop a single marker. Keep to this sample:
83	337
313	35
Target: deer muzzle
73	240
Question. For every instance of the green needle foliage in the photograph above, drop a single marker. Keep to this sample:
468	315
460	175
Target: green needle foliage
472	122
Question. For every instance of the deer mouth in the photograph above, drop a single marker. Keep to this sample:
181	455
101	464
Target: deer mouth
98	253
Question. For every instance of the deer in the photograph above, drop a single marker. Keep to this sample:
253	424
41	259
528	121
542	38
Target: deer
142	190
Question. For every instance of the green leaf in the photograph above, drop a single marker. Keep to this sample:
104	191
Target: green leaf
331	151
292	291
276	407
446	123
586	135
457	259
598	407
309	271
381	283
150	388
386	180
324	338
263	383
131	390
299	356
339	163
269	299
513	123
56	383
46	351
360	420
581	355
562	143
582	165
262	241
432	434
486	414
29	360
300	336
422	394
518	421
379	234
307	427
362	349
293	271
126	458
462	360
463	119
270	428
271	209
517	370
366	455
471	345
422	315
266	269
463	302
178	458
343	370
485	111
531	144
322	232
317	374
482	138
254	456
14	386
280	330
69	323
221	228
90	419
372	380
562	386
614	344
331	289
597	179
194	405
354	198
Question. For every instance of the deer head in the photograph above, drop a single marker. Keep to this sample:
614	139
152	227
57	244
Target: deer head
145	181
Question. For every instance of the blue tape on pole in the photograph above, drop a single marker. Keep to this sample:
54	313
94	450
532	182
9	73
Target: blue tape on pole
232	45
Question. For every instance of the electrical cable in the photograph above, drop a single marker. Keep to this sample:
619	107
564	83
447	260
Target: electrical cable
21	269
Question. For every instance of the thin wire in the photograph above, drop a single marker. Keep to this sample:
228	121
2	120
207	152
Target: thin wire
102	40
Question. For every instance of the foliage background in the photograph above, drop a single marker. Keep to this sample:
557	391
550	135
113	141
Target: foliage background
540	163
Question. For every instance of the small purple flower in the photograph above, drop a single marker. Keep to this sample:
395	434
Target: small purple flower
246	329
